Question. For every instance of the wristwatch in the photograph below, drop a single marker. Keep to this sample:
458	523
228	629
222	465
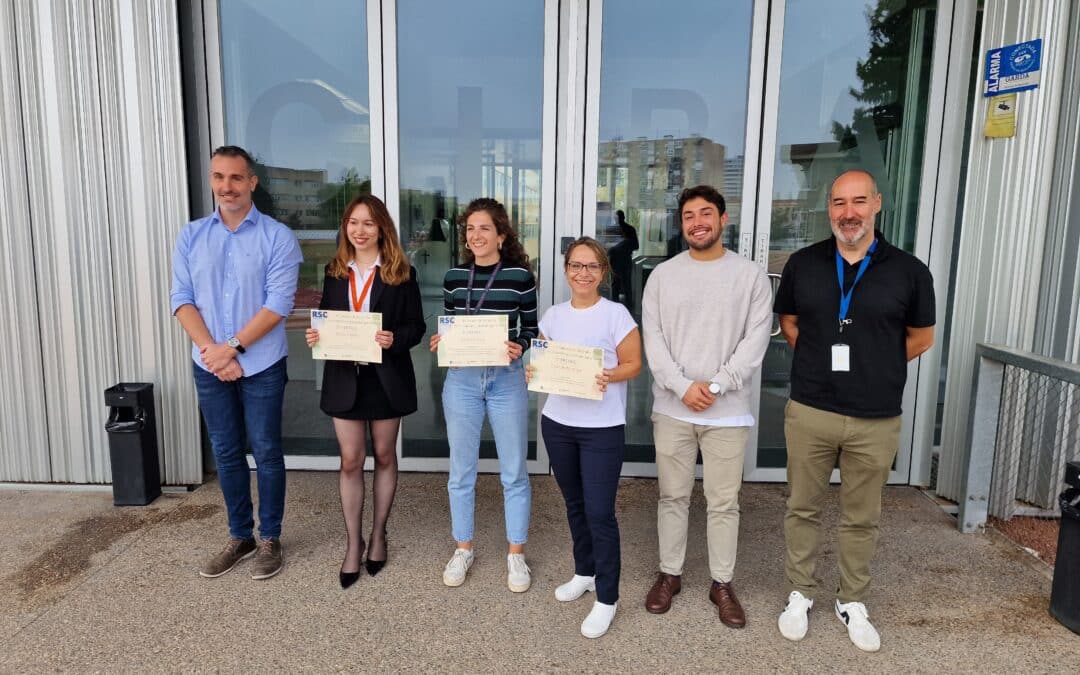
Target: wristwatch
714	388
234	342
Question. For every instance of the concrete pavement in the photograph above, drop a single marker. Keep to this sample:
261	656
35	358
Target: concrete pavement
90	587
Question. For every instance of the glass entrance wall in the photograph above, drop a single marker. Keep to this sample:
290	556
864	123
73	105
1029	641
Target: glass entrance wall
295	88
674	89
470	84
853	93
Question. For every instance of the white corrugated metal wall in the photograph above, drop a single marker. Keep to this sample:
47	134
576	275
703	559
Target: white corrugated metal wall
93	191
1003	238
1059	336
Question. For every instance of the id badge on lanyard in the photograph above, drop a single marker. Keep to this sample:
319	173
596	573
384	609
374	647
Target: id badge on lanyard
841	352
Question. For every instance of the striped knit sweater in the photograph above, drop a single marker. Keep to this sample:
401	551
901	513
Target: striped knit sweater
513	293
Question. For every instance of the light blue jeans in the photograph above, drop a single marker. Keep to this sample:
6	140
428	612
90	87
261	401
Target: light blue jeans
500	393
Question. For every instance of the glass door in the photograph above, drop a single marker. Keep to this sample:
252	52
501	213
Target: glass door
468	93
678	105
848	87
295	93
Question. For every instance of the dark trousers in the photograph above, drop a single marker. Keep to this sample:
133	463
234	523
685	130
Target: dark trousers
587	463
248	409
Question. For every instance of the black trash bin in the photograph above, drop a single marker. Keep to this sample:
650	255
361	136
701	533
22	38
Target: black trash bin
133	449
1065	592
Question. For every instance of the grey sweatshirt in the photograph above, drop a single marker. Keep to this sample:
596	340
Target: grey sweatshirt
706	321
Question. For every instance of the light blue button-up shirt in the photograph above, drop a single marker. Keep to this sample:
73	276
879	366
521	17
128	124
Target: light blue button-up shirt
229	276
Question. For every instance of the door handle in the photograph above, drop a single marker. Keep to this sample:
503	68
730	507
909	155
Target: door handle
774	282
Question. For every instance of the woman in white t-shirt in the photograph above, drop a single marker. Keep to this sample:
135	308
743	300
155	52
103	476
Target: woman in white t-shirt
585	438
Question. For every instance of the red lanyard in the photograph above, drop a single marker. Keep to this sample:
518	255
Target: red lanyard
357	303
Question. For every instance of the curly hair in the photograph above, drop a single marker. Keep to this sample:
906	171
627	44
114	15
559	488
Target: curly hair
394	269
511	252
706	192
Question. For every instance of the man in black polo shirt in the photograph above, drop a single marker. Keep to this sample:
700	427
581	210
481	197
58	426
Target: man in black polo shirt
852	343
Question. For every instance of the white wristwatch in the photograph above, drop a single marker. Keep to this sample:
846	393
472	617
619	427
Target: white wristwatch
714	388
234	342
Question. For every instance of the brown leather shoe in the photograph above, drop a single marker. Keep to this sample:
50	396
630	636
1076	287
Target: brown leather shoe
731	612
667	586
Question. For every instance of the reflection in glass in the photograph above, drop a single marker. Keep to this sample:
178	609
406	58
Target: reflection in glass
673	96
854	83
470	88
296	97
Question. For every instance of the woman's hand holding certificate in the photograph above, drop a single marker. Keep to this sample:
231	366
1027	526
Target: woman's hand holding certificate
566	369
347	336
473	341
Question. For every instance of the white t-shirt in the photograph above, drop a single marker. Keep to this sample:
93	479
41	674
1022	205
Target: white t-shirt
603	325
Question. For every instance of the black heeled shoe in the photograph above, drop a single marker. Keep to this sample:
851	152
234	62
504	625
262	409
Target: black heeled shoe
375	566
349	578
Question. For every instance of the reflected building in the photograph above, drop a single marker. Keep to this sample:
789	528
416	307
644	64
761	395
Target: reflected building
644	177
733	175
297	195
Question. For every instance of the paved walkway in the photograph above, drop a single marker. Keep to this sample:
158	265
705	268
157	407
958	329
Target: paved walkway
89	587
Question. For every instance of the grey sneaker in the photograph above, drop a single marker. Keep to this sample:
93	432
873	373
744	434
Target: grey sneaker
235	551
267	559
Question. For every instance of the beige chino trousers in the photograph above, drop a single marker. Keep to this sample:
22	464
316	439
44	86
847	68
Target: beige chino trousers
722	453
866	448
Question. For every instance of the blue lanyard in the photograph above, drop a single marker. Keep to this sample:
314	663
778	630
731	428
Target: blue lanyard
845	298
483	296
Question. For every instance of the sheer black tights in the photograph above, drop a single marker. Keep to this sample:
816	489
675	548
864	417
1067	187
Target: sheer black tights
352	437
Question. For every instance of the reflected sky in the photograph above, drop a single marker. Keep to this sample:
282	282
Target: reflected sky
296	82
470	74
823	43
292	71
675	71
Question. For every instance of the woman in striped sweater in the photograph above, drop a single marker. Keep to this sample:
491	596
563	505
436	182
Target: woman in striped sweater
494	279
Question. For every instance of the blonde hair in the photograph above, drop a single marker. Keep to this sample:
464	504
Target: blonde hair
394	268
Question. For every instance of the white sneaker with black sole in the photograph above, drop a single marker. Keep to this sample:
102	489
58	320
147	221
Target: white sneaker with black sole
794	621
862	633
575	588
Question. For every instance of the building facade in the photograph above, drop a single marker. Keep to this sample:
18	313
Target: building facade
565	110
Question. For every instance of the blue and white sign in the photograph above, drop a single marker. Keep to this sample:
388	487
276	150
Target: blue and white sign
1013	68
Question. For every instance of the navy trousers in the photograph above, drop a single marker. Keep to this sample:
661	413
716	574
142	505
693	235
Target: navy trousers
587	463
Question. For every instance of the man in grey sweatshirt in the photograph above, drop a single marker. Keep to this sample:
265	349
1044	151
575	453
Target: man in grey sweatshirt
706	315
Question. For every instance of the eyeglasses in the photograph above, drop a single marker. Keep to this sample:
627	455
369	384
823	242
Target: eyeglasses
575	267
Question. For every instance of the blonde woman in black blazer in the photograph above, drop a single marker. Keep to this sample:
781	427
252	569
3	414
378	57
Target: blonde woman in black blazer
370	273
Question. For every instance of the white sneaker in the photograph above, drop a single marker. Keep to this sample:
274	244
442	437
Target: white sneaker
519	576
793	622
575	588
859	629
458	567
599	620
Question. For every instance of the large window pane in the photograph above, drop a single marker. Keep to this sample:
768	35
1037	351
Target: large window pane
296	97
470	87
854	85
673	96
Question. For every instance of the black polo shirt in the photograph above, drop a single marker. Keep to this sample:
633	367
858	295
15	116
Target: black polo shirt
895	292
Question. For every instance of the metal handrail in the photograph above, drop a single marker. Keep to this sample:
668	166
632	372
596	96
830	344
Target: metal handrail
983	417
1043	365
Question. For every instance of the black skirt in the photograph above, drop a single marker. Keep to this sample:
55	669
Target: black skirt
371	401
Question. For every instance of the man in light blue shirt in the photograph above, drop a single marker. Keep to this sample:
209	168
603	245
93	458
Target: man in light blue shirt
234	282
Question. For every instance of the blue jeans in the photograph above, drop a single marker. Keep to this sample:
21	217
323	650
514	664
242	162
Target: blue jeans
587	463
251	407
500	393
